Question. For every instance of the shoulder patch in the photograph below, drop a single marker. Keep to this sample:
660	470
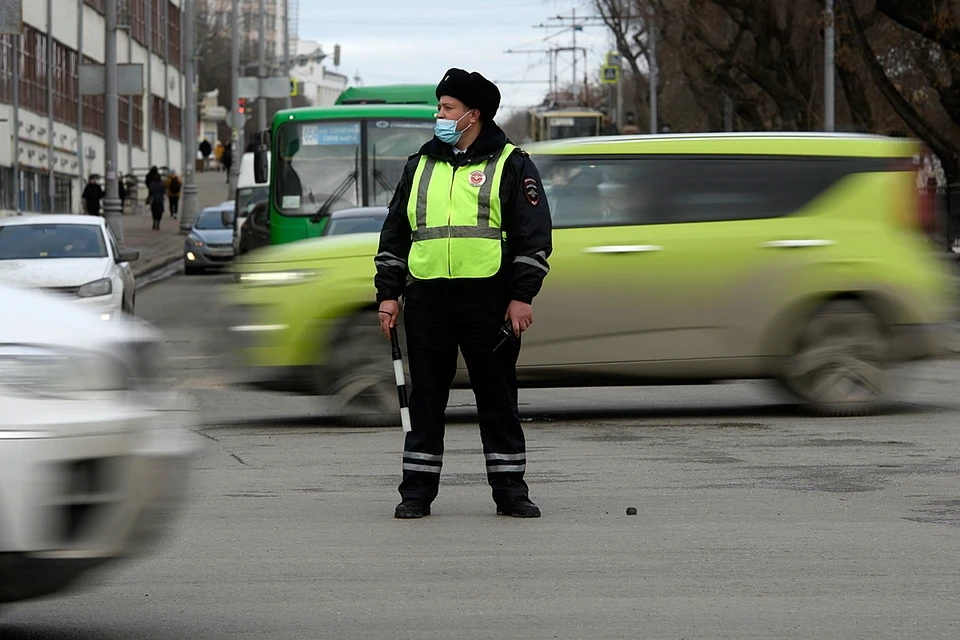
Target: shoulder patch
531	191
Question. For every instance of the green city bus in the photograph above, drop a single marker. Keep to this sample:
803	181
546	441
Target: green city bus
325	159
390	94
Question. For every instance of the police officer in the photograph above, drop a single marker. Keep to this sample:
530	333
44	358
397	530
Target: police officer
466	243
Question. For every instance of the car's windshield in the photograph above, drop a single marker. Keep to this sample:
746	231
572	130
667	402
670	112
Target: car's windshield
572	127
44	241
364	224
247	195
321	164
213	219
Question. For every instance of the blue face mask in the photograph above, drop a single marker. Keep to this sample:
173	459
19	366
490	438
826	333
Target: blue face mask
446	130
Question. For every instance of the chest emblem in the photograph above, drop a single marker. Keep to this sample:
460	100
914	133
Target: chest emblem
477	178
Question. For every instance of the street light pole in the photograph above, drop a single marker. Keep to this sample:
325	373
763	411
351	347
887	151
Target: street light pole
828	69
262	66
111	203
286	46
190	204
235	152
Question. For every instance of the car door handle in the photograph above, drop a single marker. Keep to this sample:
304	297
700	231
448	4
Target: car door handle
624	248
793	244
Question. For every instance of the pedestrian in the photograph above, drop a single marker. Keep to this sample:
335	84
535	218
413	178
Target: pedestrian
122	191
156	191
227	159
173	193
92	195
205	151
456	199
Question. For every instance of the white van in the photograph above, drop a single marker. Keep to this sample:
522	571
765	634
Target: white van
249	191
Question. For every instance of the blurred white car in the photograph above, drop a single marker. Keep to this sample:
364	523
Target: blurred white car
94	450
74	255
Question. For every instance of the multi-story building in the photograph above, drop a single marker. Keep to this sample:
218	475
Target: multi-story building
59	135
321	86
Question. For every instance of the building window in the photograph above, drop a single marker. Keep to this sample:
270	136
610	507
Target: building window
6	68
66	84
138	19
33	71
156	6
138	120
8	190
124	126
173	33
63	191
157	111
176	131
93	106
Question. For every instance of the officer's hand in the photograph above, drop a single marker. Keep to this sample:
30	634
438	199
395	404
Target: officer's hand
521	314
389	312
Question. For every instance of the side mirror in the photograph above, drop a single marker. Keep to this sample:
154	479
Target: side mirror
128	255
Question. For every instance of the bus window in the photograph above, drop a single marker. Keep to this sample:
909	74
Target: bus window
389	144
319	168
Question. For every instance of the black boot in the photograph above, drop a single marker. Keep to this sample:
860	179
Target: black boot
519	507
411	508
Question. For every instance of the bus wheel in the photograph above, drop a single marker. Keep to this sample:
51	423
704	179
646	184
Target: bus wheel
365	390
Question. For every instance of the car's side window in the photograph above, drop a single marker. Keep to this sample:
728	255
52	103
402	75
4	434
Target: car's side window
586	192
114	247
741	188
659	189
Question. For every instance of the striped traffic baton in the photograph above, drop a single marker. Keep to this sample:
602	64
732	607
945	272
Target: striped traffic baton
401	383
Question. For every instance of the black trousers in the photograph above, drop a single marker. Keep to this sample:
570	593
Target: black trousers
174	206
441	317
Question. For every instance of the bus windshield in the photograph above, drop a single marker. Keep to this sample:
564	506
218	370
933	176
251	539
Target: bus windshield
572	126
329	165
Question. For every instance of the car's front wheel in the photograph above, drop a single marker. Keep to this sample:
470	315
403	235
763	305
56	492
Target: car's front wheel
841	365
365	388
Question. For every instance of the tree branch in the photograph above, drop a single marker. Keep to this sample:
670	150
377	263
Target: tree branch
922	17
940	145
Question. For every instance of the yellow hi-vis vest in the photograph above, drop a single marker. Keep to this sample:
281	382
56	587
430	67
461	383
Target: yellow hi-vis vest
455	216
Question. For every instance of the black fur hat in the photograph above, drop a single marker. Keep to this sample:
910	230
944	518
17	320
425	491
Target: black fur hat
473	90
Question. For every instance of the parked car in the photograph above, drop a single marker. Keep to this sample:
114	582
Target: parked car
210	241
676	259
255	229
77	256
94	449
358	220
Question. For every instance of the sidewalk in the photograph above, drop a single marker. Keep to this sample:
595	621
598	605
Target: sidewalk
161	248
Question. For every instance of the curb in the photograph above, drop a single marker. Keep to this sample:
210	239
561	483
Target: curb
154	269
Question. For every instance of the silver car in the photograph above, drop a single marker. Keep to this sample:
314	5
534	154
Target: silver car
210	241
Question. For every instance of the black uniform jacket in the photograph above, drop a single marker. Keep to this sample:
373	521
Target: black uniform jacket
525	217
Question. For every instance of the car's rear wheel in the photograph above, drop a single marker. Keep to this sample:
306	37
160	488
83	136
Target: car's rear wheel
842	362
365	388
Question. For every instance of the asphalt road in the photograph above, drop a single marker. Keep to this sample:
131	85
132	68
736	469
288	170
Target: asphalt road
755	521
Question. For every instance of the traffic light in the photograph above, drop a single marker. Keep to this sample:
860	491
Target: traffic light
242	105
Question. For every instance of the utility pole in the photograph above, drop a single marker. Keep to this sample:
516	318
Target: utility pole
190	204
236	153
81	152
262	66
653	72
15	98
828	69
51	139
111	203
286	46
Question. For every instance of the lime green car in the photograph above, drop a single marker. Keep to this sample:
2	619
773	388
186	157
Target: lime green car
678	259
